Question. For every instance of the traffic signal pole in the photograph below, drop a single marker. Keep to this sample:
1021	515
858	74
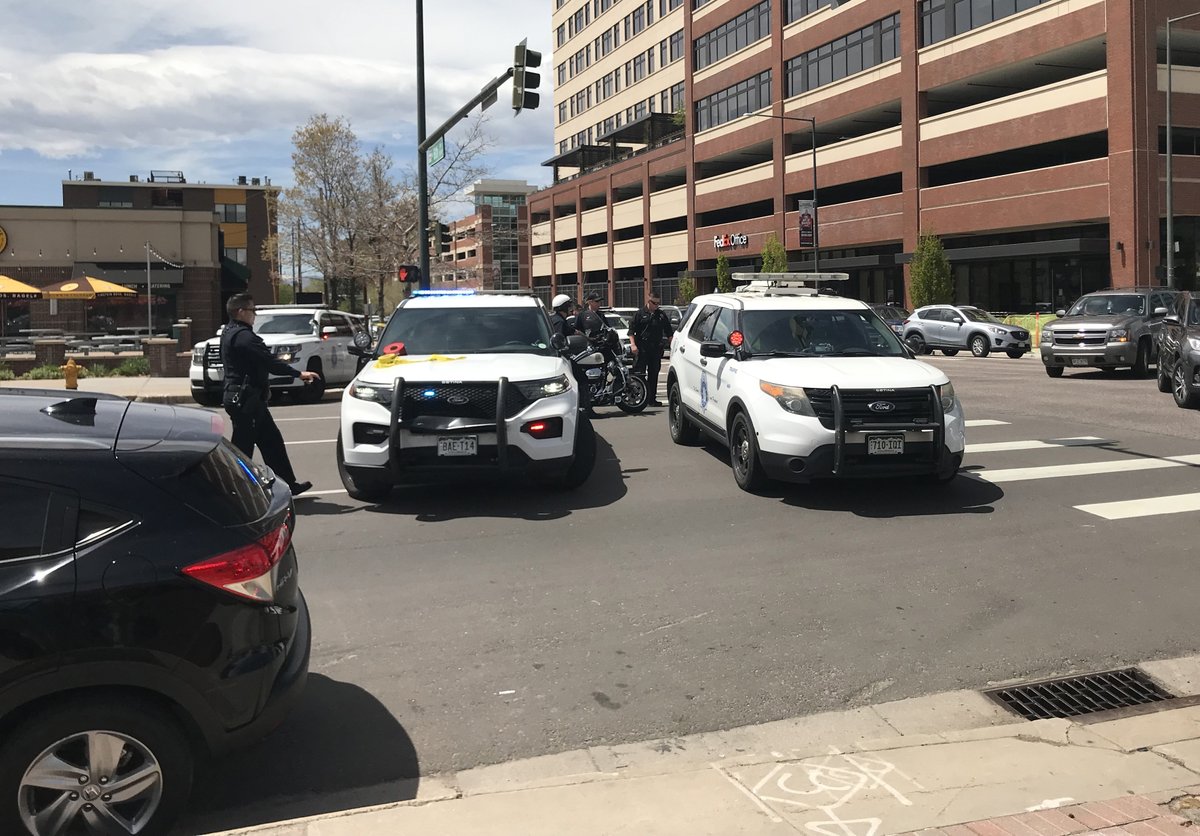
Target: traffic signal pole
422	152
487	96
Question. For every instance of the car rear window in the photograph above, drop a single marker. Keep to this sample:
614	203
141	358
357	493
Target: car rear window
227	487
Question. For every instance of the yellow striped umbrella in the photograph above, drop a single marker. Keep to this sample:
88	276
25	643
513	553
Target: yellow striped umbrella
85	287
13	289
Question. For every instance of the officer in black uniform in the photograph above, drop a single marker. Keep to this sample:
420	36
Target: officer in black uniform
558	319
248	365
648	332
588	321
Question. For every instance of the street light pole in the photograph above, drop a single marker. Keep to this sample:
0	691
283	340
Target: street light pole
149	297
812	124
1170	163
422	153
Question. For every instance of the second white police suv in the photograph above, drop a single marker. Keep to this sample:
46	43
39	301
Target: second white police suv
802	385
460	384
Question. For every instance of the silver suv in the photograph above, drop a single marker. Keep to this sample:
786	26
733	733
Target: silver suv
1108	329
951	328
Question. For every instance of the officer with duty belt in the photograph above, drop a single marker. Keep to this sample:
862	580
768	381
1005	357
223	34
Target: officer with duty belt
248	365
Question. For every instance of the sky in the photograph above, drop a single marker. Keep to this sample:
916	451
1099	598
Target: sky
216	89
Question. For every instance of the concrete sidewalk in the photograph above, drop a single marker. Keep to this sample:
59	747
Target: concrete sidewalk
150	389
954	762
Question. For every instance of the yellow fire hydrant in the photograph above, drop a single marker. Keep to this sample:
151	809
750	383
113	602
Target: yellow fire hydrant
71	373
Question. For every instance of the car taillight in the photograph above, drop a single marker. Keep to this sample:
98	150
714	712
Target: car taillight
246	571
905	322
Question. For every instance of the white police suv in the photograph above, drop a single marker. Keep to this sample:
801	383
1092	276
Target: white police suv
309	338
800	385
459	384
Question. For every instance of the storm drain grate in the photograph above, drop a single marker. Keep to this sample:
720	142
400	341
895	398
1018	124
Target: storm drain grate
1073	696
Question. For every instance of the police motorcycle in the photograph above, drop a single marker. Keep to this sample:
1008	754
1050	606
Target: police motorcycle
600	372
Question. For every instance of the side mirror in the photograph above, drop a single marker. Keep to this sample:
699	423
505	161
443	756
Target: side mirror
329	330
576	343
957	320
1160	311
712	348
1060	312
1171	319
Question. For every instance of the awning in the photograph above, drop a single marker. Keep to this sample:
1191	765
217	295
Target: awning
586	156
235	277
129	276
1025	249
647	129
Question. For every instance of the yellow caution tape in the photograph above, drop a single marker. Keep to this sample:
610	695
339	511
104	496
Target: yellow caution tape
389	360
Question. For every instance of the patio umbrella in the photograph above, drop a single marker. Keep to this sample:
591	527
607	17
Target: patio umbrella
85	287
13	289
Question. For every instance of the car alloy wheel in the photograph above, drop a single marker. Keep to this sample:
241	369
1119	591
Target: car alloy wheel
102	781
979	346
683	431
743	450
1181	389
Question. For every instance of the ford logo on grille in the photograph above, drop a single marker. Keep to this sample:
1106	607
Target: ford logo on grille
881	406
458	400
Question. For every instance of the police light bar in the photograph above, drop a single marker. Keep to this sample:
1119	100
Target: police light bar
459	292
788	279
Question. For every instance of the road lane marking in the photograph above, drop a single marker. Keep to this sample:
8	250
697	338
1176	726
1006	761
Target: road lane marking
1004	446
321	493
1130	508
1025	474
313	418
984	422
317	441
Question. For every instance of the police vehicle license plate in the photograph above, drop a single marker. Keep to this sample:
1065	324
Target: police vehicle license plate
885	445
463	445
1080	361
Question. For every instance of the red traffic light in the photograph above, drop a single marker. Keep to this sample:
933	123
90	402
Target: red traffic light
409	273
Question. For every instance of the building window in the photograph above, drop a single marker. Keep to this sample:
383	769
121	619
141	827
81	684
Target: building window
237	254
748	27
116	197
167	198
733	102
676	46
868	47
560	34
231	213
942	19
797	9
667	6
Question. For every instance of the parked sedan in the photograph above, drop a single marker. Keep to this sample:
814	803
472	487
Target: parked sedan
151	605
1179	351
951	328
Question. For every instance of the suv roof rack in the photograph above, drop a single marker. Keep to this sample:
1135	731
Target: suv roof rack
785	284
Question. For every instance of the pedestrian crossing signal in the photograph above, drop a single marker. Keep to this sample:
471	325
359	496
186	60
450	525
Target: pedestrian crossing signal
409	273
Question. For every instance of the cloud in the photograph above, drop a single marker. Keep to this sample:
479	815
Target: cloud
164	84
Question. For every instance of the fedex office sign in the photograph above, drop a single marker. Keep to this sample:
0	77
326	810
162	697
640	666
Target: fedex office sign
726	242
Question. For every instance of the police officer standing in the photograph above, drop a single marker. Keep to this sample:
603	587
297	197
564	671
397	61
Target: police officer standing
648	332
248	364
589	322
558	320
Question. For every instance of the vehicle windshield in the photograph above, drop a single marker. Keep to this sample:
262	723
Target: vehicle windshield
976	315
1108	304
852	333
283	323
468	330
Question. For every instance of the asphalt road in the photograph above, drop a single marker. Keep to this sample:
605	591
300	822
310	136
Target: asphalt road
466	625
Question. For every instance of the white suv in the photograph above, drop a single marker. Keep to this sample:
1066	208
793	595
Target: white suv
462	384
308	338
801	385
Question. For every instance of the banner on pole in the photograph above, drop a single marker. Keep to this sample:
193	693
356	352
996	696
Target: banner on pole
808	221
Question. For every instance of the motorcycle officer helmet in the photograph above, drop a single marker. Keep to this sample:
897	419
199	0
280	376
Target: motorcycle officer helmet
560	301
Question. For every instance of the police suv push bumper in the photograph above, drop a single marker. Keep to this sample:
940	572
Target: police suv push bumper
931	443
539	437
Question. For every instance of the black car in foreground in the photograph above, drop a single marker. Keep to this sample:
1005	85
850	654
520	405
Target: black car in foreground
1179	351
150	609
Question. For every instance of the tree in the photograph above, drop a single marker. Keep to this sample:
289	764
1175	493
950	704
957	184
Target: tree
932	283
686	289
724	275
460	168
774	256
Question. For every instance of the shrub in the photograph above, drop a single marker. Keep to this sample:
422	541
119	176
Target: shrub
133	367
6	373
774	256
43	373
686	290
724	274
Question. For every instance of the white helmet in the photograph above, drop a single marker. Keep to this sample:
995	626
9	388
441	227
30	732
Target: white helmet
560	300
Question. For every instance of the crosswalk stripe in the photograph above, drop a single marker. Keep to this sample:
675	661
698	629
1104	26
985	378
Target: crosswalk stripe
1025	474
1005	446
984	422
1149	507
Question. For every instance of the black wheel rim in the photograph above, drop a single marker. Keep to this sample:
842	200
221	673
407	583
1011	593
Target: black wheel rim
741	450
676	411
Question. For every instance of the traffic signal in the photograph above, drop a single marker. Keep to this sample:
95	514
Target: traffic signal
439	236
409	273
525	82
